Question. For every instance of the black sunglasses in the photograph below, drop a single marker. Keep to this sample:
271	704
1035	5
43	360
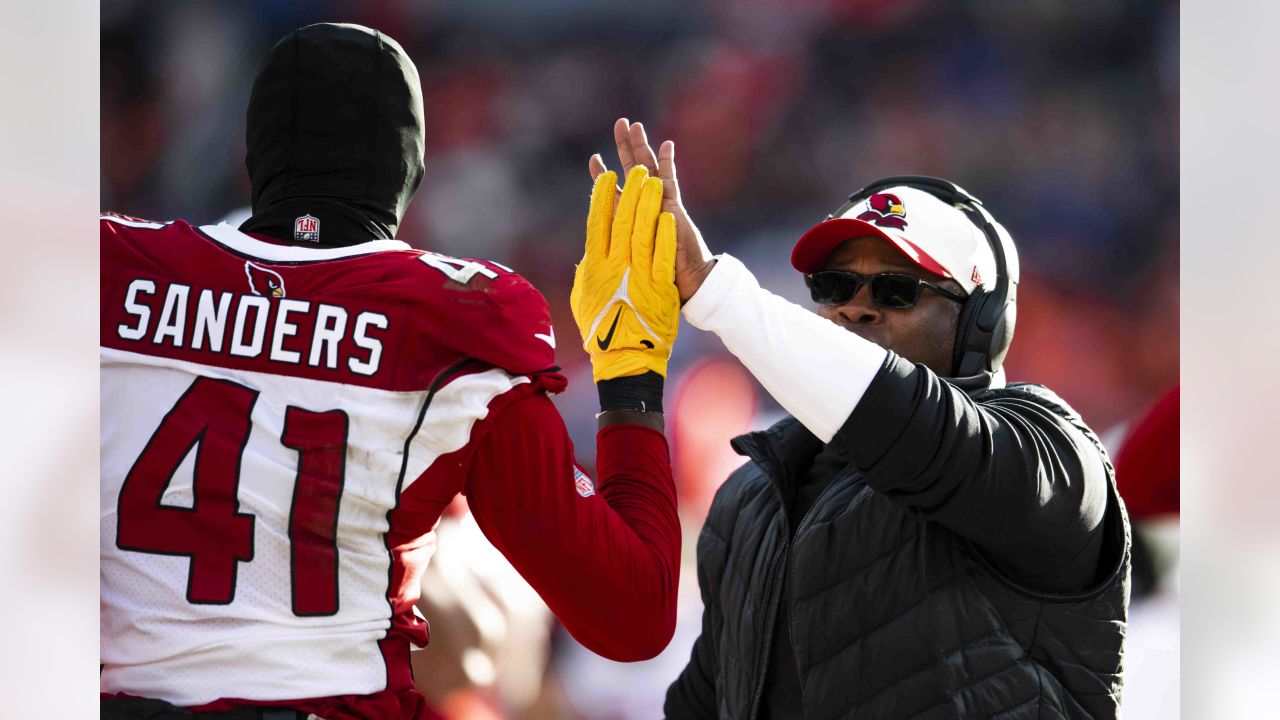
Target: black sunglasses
888	290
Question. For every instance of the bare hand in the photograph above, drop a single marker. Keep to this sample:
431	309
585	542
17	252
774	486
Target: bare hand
693	259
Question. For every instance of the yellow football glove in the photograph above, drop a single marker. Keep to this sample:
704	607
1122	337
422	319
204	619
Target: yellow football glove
624	296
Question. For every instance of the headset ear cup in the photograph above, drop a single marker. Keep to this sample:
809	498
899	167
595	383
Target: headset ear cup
1001	337
970	353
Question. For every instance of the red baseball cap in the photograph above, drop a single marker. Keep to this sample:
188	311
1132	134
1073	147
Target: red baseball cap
935	236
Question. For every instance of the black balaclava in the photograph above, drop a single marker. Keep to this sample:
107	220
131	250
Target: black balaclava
334	131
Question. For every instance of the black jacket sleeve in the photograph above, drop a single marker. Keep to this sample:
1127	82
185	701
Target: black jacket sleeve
693	694
1007	472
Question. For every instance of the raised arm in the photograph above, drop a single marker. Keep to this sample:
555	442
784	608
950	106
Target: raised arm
605	559
1009	474
603	554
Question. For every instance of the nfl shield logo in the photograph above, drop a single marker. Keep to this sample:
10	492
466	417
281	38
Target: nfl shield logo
585	487
306	229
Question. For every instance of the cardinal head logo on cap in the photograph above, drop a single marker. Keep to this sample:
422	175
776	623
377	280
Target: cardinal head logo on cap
885	210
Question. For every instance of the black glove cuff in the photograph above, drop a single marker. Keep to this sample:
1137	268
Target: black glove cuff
641	393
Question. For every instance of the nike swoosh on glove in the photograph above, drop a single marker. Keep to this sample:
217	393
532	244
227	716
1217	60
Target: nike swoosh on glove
624	296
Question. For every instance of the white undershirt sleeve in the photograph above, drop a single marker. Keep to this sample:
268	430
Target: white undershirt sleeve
815	369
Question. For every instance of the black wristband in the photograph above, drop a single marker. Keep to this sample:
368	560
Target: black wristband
641	393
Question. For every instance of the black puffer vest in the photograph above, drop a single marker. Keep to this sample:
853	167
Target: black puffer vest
893	616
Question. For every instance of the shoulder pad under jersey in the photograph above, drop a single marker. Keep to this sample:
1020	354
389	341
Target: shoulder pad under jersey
488	312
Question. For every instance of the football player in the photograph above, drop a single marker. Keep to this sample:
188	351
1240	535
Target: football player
288	406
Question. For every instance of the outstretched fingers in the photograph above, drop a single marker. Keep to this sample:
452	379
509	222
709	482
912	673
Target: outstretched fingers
646	224
640	149
622	138
595	166
653	245
624	218
667	170
664	251
604	196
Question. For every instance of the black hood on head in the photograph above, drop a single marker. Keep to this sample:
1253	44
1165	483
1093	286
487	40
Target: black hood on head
334	131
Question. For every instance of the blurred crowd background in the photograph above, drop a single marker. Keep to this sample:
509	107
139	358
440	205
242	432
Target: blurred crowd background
1062	115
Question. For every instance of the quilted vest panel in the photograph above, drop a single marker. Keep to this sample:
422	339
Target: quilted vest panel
893	616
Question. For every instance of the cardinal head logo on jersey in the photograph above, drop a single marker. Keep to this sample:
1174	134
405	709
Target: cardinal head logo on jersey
885	210
262	281
306	229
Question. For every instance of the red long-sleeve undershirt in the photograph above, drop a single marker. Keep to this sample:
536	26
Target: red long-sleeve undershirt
606	564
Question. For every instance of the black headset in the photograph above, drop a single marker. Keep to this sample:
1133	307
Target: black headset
985	327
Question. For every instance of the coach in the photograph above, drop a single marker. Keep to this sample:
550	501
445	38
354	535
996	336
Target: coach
920	539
